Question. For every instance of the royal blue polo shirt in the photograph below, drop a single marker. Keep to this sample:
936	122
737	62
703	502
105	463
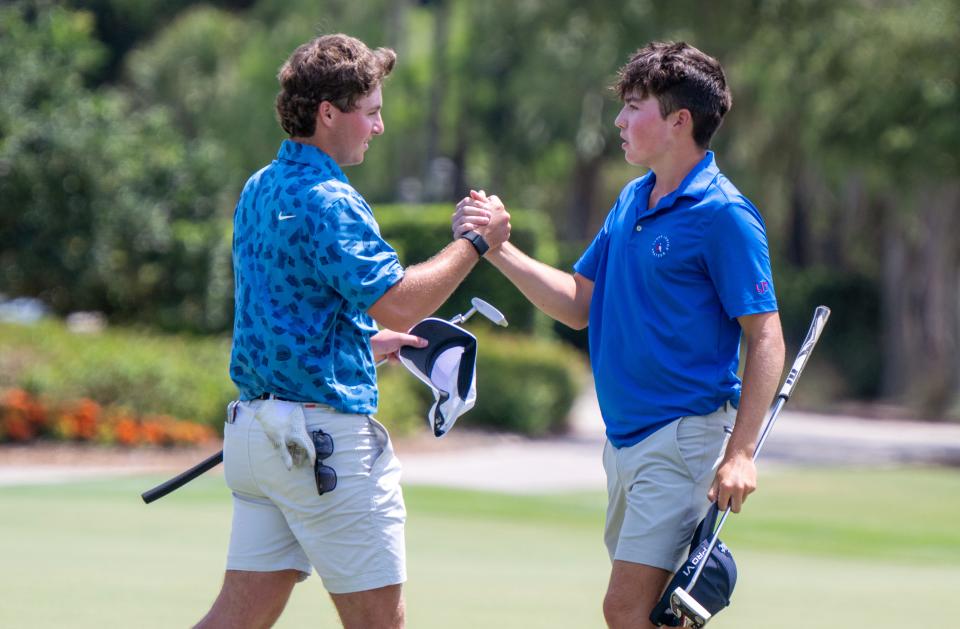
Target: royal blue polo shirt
308	263
669	283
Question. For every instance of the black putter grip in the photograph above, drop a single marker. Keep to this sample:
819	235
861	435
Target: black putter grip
820	317
183	478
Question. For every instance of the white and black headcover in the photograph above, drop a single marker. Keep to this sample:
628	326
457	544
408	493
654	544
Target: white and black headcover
447	365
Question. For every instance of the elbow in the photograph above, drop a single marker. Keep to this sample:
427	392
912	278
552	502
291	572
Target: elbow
397	317
578	317
577	324
395	312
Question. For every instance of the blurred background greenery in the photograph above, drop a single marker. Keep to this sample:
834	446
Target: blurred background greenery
127	129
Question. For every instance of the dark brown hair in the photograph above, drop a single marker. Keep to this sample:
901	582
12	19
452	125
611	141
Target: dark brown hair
336	68
680	77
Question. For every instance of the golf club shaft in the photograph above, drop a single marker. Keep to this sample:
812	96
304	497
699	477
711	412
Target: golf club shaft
461	318
183	478
820	316
212	461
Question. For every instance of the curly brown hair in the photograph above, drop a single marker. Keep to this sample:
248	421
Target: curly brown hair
336	68
680	77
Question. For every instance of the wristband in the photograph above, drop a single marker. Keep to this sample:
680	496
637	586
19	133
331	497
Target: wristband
478	242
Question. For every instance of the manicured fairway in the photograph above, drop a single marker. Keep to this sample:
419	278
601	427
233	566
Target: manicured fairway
815	548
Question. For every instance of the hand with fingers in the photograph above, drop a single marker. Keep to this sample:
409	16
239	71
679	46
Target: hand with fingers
387	343
736	479
485	215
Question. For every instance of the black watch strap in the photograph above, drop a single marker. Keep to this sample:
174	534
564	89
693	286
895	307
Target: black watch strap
477	241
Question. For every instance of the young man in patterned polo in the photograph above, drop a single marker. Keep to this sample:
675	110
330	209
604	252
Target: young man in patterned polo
678	273
313	280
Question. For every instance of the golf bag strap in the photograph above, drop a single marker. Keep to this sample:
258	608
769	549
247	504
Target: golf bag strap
706	526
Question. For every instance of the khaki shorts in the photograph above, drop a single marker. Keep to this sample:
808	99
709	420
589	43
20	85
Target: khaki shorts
657	489
353	536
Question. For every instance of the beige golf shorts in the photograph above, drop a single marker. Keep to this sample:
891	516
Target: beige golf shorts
657	488
353	535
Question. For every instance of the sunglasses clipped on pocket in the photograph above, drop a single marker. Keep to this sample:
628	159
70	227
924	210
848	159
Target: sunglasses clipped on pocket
325	475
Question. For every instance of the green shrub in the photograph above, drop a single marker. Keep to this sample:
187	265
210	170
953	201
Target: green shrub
400	408
526	385
182	376
850	346
419	232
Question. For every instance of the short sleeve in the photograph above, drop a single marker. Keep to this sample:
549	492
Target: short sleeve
738	261
351	255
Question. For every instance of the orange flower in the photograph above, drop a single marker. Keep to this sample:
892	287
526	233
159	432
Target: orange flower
87	415
156	429
16	428
21	416
127	431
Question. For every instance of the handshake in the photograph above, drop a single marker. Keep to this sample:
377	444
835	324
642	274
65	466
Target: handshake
484	215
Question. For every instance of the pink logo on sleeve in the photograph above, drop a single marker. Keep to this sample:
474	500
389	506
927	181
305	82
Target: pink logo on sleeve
762	287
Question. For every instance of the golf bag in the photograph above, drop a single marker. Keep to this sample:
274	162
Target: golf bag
716	582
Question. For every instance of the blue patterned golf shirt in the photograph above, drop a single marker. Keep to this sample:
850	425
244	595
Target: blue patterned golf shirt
669	283
308	263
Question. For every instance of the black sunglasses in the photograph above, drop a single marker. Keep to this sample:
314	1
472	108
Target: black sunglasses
326	476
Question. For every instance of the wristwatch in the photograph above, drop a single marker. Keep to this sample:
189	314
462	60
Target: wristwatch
477	241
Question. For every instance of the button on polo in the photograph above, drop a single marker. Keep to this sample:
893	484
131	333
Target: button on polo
639	228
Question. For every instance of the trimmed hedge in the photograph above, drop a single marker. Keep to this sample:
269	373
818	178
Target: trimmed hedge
526	385
418	232
179	375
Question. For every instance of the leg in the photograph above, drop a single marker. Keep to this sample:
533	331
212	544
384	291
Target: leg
633	591
381	608
250	599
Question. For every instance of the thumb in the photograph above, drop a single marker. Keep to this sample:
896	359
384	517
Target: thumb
415	341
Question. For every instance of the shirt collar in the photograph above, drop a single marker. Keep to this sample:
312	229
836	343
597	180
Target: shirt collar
694	185
697	181
309	155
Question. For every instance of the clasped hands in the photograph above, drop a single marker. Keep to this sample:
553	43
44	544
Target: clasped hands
485	215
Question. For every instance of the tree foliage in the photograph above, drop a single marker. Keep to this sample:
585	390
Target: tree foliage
121	158
105	205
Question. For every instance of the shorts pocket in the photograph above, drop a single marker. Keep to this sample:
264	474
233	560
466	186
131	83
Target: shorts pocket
694	437
381	440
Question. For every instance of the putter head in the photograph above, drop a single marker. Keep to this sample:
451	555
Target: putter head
688	609
489	312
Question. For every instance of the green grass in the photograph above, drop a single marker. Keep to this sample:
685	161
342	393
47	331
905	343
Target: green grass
815	548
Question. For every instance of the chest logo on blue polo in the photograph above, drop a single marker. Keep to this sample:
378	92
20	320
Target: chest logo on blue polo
660	246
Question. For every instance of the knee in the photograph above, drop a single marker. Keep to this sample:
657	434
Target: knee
620	611
614	610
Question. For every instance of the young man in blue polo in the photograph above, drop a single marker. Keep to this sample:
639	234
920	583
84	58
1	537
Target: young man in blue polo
678	274
314	478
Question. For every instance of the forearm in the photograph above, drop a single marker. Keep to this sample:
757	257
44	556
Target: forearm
425	287
555	292
761	375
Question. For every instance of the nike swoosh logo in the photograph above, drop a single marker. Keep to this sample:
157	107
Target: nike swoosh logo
284	217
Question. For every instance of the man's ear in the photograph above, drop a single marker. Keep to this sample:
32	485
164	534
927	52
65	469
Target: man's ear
326	113
683	117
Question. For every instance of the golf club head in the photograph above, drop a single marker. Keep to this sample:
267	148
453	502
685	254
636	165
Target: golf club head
686	607
489	312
